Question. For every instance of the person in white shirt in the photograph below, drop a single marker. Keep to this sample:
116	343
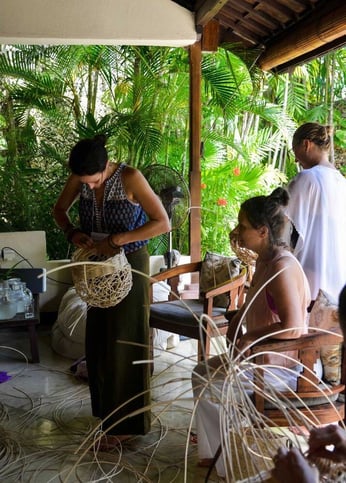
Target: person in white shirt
317	211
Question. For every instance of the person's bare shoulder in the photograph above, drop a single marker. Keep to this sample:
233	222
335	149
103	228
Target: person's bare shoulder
130	170
131	175
288	266
285	261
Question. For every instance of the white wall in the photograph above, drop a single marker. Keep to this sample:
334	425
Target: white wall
117	22
31	245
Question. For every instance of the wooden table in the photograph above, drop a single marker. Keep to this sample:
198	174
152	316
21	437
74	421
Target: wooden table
20	321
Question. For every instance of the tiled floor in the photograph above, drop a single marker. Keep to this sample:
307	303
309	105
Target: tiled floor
45	419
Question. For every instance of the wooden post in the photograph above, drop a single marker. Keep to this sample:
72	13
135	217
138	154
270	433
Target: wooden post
210	36
195	150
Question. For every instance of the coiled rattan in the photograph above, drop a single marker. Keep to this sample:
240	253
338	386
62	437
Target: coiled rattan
101	282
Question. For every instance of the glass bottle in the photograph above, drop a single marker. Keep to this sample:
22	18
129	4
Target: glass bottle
28	302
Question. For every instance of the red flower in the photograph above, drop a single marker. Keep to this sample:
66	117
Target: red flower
203	186
221	202
236	171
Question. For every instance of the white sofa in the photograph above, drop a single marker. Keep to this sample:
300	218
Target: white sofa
69	329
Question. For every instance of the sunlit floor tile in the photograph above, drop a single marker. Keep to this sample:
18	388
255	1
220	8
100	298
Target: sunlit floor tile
45	421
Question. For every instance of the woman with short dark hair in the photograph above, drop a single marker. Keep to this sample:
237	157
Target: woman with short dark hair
117	209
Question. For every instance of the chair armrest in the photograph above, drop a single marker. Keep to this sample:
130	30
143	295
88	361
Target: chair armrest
235	288
176	271
171	276
307	348
228	286
305	341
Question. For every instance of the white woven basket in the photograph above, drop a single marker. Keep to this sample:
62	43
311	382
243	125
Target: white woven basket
101	283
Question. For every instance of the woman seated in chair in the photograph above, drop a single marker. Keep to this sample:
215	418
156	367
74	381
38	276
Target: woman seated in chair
277	300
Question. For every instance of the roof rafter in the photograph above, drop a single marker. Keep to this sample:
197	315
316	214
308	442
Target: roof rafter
276	26
207	9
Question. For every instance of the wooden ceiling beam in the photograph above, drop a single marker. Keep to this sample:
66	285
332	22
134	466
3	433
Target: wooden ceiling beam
296	5
257	15
251	24
275	10
227	36
323	26
243	33
206	10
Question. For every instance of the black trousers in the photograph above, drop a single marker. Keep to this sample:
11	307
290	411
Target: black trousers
116	337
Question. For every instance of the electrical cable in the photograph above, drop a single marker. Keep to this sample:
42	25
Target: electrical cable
24	259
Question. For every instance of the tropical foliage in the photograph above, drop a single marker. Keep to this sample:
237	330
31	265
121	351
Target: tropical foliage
52	96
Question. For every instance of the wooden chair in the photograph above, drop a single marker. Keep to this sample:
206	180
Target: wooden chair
316	396
312	403
182	316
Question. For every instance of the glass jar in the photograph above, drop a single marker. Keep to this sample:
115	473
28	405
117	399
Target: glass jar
16	285
8	304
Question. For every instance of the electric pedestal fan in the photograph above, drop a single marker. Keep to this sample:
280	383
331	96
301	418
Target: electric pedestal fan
173	191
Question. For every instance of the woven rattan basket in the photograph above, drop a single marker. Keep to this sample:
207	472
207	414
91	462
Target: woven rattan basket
244	254
101	283
248	257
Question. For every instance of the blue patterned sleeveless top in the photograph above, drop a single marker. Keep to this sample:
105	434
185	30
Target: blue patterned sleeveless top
116	215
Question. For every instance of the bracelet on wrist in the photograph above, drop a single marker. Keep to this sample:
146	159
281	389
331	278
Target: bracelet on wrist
111	244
